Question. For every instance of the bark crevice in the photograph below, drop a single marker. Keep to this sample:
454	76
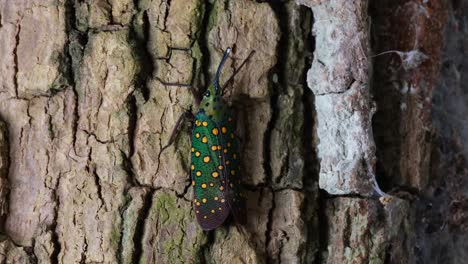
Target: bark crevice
282	16
140	227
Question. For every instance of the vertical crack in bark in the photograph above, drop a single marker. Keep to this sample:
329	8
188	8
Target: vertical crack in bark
138	240
53	228
323	226
166	15
132	126
387	101
203	42
76	116
347	229
141	42
139	38
317	230
76	44
83	252
122	210
97	182
30	252
269	229
204	252
282	16
15	58
4	205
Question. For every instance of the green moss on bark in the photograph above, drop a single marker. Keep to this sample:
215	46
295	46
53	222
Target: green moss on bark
171	233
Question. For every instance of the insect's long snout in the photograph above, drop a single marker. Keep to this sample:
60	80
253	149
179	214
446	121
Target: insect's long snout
220	68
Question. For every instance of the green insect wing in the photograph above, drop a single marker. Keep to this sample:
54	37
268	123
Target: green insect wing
208	174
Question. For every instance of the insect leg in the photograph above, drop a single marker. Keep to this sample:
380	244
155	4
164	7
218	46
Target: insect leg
194	91
185	116
175	84
229	81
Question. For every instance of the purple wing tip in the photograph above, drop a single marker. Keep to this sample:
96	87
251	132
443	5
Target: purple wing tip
213	220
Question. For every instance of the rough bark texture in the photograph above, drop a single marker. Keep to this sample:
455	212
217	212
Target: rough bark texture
350	97
339	79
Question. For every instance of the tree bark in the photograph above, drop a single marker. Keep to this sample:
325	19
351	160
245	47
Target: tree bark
352	116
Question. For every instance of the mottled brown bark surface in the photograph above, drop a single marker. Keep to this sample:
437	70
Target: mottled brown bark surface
352	115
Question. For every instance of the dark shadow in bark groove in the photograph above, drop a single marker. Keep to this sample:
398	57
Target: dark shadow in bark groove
204	252
386	121
53	228
323	227
314	211
282	15
31	254
138	37
140	227
304	104
132	124
203	42
6	185
269	230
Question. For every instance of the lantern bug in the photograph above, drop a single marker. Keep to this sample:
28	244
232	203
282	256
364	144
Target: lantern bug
215	158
